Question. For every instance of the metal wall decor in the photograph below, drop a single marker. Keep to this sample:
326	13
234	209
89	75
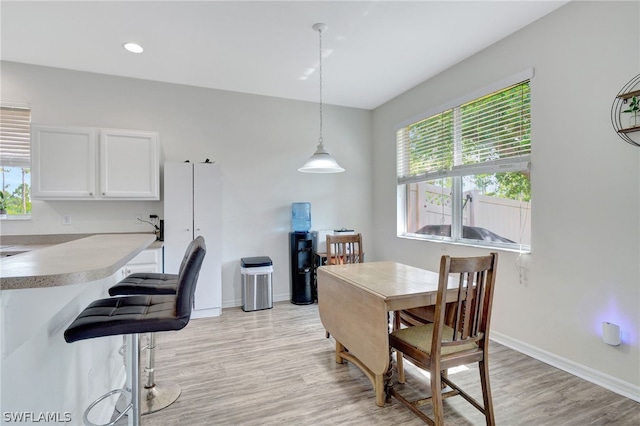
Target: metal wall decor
625	112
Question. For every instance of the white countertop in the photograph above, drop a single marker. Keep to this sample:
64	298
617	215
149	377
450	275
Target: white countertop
83	260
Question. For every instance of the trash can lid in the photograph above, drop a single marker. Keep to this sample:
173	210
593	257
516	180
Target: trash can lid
248	262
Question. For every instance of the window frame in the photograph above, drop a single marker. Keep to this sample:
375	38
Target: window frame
17	130
514	164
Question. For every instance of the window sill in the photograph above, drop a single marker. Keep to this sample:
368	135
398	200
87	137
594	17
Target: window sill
15	217
469	243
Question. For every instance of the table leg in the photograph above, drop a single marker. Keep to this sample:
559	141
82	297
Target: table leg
339	350
380	388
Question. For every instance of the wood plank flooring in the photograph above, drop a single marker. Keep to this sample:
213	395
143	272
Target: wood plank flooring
275	367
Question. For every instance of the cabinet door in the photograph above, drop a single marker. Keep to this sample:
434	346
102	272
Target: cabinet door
63	163
207	220
142	268
178	213
129	165
149	260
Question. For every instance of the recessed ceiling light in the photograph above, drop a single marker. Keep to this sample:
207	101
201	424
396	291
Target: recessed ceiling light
133	47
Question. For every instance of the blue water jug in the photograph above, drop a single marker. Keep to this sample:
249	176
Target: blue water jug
300	217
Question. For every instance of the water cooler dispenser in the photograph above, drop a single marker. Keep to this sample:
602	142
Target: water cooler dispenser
302	248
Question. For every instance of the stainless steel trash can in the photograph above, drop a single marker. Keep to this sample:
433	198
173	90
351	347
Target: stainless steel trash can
257	289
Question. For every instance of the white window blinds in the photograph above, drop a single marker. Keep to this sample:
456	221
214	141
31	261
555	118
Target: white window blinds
15	137
488	134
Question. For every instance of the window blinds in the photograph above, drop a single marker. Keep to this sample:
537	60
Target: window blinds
15	137
486	135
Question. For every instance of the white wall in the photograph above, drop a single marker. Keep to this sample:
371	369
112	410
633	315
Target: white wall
584	266
259	141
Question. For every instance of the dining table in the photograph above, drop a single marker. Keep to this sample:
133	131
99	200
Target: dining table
354	302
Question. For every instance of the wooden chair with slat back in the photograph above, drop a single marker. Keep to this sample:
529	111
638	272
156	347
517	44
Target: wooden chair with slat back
436	346
343	249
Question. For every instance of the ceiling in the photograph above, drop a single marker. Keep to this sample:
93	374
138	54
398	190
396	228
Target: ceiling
372	52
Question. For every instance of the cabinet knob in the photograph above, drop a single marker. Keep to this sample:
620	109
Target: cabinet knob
91	193
104	193
197	229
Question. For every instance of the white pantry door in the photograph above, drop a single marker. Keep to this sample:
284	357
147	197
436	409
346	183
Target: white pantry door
207	220
178	213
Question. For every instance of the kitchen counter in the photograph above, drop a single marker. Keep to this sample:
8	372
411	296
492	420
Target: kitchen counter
82	260
10	245
41	292
13	249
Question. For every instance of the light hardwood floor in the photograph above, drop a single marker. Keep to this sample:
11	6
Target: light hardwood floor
275	367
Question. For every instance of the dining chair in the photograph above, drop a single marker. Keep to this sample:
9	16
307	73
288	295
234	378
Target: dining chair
468	282
343	249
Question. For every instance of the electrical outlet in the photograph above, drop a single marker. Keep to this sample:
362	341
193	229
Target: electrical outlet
66	219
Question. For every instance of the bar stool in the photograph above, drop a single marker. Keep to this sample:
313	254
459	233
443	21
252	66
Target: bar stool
132	315
154	396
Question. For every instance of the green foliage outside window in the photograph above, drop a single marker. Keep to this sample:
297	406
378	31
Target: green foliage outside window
494	127
16	201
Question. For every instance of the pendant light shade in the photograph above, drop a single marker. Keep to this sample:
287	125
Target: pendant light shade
321	161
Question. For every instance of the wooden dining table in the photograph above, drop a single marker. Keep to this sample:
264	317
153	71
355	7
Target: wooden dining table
354	301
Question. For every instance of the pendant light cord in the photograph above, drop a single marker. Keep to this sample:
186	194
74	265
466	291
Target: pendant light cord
320	68
320	161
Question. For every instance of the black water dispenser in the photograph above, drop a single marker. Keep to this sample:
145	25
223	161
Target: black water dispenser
303	289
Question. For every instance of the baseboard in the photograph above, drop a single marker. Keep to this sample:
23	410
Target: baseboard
614	384
238	302
206	313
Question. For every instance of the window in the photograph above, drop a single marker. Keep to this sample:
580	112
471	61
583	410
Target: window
15	160
463	171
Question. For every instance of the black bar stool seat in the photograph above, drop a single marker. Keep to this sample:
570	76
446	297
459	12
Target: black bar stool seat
126	315
149	283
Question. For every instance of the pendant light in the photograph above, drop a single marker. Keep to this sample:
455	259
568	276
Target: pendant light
321	161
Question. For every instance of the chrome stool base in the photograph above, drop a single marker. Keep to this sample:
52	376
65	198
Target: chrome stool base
130	394
158	396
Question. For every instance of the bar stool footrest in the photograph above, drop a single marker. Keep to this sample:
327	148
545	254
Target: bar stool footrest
85	417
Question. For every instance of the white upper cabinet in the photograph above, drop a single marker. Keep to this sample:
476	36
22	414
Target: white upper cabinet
63	162
129	165
75	163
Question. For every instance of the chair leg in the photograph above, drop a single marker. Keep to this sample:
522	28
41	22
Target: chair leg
133	378
131	390
156	397
486	392
400	365
444	374
399	356
436	397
